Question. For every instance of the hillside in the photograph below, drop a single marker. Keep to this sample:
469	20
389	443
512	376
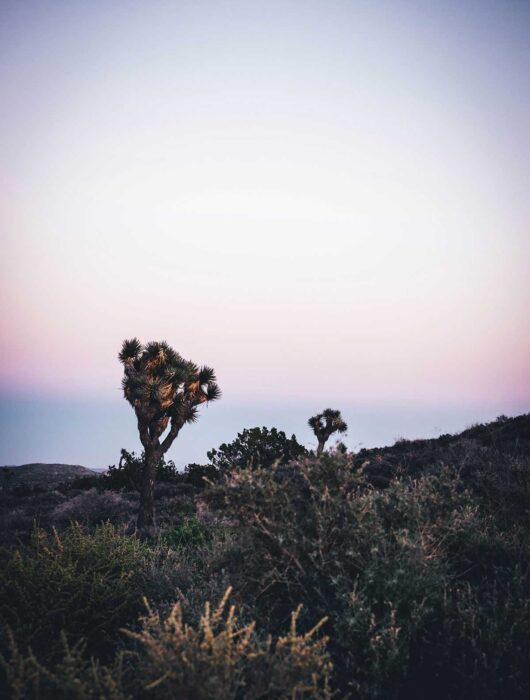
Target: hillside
43	475
411	562
475	447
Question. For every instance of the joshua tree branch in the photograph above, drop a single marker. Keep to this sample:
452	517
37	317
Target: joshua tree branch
176	425
143	429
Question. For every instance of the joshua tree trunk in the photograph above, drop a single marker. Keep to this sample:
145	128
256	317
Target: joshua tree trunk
154	450
146	513
320	447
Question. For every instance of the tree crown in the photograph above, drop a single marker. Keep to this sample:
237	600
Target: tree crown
163	387
326	423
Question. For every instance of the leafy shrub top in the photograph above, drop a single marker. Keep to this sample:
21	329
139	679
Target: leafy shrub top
256	447
128	474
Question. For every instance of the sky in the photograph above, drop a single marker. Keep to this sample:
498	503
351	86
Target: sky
327	201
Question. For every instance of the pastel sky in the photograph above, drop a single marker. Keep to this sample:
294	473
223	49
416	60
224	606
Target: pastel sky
328	201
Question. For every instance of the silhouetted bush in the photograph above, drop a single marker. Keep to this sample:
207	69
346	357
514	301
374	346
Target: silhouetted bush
199	474
127	475
256	447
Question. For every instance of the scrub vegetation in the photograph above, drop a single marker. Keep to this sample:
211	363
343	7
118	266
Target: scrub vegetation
277	572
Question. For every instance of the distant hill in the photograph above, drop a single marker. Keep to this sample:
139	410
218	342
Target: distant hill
45	475
477	446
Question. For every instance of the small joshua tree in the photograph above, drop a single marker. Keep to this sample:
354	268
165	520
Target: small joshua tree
325	424
165	391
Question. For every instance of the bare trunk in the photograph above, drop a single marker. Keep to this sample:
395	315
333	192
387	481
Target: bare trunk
146	513
320	447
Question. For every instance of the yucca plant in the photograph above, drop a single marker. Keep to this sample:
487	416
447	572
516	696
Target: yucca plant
325	424
165	391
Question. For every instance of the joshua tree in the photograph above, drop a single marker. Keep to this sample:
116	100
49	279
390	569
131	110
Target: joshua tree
325	424
165	391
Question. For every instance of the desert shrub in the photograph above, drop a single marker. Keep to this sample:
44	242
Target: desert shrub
47	498
218	657
166	489
24	490
197	474
389	567
256	447
75	676
174	511
222	658
482	641
501	483
83	483
20	514
93	507
127	475
17	519
7	476
87	585
191	533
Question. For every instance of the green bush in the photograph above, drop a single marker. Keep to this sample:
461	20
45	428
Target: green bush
128	474
198	475
74	677
88	586
256	447
192	533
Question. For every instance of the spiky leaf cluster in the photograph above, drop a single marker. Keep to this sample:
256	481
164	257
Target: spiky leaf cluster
326	423
163	387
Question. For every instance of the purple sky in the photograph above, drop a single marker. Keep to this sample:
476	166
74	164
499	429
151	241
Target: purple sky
326	201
